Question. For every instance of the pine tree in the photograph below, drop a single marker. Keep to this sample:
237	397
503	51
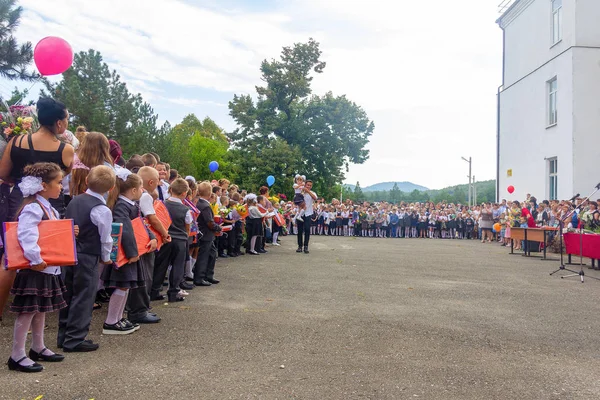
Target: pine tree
14	58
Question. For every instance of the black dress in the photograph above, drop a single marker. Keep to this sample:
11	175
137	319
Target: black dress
132	275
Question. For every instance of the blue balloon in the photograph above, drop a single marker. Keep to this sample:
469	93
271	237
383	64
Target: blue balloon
213	166
270	180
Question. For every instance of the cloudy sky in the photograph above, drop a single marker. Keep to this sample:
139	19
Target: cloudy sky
425	71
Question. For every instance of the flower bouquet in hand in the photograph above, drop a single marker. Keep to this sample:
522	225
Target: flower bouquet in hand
18	120
242	209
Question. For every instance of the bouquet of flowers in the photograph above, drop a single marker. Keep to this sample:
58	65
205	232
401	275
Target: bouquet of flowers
242	210
18	120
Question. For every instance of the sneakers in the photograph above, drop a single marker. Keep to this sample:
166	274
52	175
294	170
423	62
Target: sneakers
120	328
276	244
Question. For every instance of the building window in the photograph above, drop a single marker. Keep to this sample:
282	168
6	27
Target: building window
556	21
553	179
552	94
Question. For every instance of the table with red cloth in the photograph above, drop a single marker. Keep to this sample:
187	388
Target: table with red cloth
590	245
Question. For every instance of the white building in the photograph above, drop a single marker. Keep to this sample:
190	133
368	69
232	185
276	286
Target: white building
549	101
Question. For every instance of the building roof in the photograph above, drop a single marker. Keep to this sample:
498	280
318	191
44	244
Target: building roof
510	10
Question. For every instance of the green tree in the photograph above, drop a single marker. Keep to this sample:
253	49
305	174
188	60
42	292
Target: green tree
326	132
15	58
98	99
395	193
358	193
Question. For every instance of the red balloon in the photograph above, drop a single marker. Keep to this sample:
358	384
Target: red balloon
511	189
53	56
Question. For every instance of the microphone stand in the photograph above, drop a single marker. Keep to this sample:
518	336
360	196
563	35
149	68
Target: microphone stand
581	273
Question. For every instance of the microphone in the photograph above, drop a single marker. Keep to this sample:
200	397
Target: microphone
576	196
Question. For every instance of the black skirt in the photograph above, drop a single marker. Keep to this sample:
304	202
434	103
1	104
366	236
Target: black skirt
254	227
35	291
298	199
129	276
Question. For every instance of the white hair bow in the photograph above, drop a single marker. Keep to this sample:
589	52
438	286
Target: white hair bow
250	197
191	178
30	185
122	173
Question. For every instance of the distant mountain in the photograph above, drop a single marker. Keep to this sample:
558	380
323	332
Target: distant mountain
405	187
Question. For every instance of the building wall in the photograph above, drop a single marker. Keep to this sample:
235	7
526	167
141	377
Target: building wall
586	120
525	140
587	23
528	36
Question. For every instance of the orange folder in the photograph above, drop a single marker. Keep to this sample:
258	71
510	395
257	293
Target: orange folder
142	238
163	215
279	220
57	244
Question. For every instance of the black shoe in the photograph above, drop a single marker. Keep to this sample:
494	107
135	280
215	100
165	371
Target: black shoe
102	296
252	253
240	253
15	366
158	297
186	286
148	319
306	250
83	347
119	328
223	255
188	279
40	356
233	255
213	281
175	299
299	250
262	251
128	324
165	284
203	283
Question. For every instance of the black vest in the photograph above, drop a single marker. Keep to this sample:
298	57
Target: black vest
124	212
177	212
79	210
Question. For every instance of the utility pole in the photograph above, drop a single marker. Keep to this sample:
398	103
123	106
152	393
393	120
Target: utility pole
474	192
470	181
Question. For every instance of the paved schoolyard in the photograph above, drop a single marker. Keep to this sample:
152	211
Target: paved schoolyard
357	318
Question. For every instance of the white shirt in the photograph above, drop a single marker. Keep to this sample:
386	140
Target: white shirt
188	215
147	204
308	201
102	218
28	233
164	187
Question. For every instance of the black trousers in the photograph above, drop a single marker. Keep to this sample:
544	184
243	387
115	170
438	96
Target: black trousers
75	319
138	302
303	228
172	254
205	264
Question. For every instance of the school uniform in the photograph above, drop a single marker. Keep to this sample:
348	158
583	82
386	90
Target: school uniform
36	291
130	275
94	244
204	269
173	253
138	301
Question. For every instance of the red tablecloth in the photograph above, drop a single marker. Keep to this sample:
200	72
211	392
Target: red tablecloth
591	245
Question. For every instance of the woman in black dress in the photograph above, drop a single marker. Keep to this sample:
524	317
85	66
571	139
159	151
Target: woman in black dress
41	146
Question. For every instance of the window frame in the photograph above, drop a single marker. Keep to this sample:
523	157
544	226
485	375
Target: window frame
552	102
553	178
556	22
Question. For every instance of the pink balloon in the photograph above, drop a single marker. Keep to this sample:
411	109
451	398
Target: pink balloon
53	56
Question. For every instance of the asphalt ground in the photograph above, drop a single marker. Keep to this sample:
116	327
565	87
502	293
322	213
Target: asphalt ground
357	318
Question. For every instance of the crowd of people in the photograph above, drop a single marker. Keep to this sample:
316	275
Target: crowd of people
52	174
487	222
187	224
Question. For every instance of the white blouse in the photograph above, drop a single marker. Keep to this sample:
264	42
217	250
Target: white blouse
28	233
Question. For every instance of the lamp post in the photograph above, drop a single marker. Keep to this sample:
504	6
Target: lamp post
470	180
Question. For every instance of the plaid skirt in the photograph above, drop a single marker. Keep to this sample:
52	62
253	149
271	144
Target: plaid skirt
35	291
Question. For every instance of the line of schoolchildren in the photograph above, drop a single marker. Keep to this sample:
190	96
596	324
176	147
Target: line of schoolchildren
123	195
385	221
